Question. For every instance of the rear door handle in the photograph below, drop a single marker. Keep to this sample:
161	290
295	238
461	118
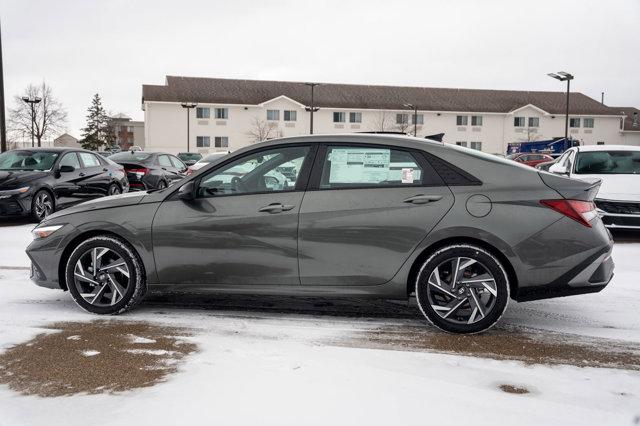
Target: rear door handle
81	174
422	199
276	208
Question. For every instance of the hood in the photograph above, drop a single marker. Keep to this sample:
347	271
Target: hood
127	199
616	187
10	179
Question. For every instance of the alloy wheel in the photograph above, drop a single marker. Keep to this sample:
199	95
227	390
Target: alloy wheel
114	190
462	290
101	276
43	205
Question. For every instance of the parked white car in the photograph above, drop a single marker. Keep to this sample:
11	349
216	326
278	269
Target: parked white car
618	166
210	158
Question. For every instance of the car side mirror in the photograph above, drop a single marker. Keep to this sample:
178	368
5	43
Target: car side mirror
67	169
558	169
187	192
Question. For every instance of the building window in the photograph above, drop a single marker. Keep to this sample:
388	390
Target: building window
203	141
273	115
338	117
518	121
222	113
221	142
402	118
290	115
534	122
130	129
461	144
202	112
355	117
588	123
476	146
574	122
462	120
476	120
600	143
417	119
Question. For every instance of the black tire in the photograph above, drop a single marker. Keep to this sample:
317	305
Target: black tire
114	189
162	184
42	205
426	294
136	287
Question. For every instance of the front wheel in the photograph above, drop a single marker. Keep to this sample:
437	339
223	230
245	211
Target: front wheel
43	205
105	276
114	189
462	288
162	184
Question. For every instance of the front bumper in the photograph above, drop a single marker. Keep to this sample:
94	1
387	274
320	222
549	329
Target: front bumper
15	205
619	214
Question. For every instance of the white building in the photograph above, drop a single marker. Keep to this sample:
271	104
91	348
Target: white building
234	113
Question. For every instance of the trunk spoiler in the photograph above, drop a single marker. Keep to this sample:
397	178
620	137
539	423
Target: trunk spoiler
572	189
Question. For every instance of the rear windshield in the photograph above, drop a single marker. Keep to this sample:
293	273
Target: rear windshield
130	156
608	162
27	160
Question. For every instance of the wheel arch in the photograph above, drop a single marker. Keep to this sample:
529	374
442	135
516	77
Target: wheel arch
427	251
82	237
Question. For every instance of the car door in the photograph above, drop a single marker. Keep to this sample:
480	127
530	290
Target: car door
96	178
241	228
169	171
66	184
366	209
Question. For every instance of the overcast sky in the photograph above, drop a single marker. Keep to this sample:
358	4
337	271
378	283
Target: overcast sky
113	47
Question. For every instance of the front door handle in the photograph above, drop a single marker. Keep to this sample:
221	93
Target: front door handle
422	199
276	208
81	174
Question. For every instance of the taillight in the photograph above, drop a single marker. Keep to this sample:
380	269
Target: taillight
189	171
139	172
581	211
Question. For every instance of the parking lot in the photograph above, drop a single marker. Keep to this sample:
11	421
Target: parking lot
207	354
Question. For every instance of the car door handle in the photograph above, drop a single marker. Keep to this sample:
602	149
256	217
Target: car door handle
81	174
422	199
276	208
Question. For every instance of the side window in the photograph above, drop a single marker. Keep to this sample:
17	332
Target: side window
177	163
164	161
88	159
346	167
569	162
272	170
70	159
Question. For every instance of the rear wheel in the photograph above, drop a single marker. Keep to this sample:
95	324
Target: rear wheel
162	184
105	276
42	205
114	189
462	288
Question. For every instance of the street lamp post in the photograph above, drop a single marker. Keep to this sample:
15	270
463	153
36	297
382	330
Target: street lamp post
188	106
312	108
415	117
32	103
564	76
3	125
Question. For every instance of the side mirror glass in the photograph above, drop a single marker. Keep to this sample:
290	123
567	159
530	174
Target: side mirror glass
66	169
558	169
187	192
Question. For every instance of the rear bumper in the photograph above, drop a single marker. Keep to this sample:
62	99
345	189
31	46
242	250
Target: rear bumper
590	276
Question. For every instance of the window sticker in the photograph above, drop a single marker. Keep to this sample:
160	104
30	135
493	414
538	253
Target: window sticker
407	175
366	165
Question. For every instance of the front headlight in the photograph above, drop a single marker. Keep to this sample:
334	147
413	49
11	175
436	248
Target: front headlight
18	191
44	231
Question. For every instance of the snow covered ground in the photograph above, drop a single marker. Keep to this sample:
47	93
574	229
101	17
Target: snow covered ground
280	361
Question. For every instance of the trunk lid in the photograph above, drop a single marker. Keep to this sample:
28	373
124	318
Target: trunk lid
572	189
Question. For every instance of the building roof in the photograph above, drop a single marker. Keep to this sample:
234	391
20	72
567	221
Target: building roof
66	136
628	122
255	92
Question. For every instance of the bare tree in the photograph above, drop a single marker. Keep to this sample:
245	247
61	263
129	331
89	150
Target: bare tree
531	135
50	115
262	130
382	122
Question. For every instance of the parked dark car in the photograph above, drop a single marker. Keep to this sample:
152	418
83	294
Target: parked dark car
530	159
365	215
37	182
150	170
189	158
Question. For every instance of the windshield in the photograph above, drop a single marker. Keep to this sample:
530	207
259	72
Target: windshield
187	156
130	156
512	156
27	160
608	162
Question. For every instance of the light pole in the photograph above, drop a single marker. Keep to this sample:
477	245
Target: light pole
188	106
415	118
3	126
312	108
564	76
32	103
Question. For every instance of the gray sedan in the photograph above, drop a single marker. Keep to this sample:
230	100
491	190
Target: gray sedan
357	216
